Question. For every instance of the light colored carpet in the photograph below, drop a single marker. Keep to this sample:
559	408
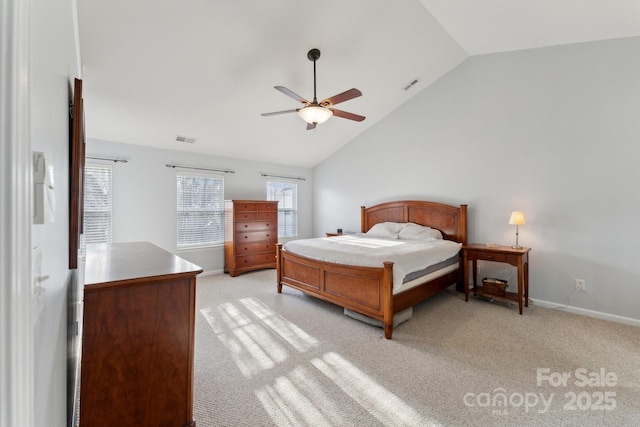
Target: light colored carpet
269	359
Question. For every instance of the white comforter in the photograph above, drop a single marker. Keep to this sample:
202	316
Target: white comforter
408	256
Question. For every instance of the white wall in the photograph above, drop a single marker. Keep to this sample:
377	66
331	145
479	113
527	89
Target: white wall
144	194
54	65
553	132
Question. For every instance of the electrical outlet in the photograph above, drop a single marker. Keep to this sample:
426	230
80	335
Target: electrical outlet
580	285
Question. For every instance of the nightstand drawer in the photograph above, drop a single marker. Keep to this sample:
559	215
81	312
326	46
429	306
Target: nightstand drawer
486	256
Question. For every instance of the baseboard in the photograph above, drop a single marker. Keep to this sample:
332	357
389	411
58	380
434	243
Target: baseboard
585	312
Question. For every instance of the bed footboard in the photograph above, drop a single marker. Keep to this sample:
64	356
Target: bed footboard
365	290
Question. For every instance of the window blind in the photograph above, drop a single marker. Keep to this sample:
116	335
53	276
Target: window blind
97	204
200	205
286	193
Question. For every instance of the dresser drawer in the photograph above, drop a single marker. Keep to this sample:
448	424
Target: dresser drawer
267	207
257	259
246	216
253	248
256	236
268	215
255	226
487	256
241	207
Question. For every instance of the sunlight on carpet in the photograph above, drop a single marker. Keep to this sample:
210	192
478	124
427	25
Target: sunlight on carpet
264	358
378	401
258	339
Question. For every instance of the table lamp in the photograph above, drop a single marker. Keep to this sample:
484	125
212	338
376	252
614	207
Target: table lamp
517	218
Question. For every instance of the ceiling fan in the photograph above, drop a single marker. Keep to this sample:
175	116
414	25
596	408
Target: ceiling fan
316	112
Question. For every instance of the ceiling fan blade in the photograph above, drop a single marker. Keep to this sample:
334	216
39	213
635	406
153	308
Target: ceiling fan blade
346	115
278	112
291	94
311	126
341	97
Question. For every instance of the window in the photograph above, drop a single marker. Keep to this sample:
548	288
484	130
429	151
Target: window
286	193
200	210
97	203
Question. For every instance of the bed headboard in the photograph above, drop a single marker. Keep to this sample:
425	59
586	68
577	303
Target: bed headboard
450	220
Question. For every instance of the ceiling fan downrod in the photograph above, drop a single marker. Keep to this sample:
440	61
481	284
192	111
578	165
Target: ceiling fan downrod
314	55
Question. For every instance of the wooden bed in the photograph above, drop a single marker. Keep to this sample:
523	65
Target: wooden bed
369	290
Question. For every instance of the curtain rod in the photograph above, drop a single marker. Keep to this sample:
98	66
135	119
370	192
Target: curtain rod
169	165
299	178
108	159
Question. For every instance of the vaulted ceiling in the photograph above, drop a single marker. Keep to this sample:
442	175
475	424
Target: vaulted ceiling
206	69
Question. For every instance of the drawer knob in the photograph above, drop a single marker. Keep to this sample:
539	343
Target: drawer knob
246	237
246	225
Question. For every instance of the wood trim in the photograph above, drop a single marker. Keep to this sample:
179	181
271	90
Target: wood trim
76	173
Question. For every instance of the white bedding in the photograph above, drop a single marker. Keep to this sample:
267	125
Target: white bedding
357	249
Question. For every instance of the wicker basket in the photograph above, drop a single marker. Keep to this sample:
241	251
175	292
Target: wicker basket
494	286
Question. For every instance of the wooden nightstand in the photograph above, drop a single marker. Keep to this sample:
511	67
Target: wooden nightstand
519	258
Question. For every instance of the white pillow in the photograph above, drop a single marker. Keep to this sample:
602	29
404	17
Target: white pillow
419	232
388	230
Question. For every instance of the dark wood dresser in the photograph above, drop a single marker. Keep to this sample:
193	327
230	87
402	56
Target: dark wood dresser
137	337
250	235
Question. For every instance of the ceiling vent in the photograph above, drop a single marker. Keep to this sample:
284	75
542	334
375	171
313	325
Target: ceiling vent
186	139
410	85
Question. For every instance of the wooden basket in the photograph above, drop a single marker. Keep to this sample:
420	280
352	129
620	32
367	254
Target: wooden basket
494	286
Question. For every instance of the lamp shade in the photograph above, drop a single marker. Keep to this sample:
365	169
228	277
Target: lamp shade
517	218
315	114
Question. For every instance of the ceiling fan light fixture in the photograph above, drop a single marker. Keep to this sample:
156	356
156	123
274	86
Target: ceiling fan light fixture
315	114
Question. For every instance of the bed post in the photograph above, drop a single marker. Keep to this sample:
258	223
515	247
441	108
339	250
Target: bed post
387	299
279	267
462	225
362	220
462	238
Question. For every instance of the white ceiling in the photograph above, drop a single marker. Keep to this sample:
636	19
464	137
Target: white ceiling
206	69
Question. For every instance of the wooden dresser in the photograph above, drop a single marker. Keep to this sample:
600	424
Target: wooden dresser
137	337
250	235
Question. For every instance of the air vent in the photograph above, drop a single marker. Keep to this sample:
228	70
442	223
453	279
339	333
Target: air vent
410	85
186	139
